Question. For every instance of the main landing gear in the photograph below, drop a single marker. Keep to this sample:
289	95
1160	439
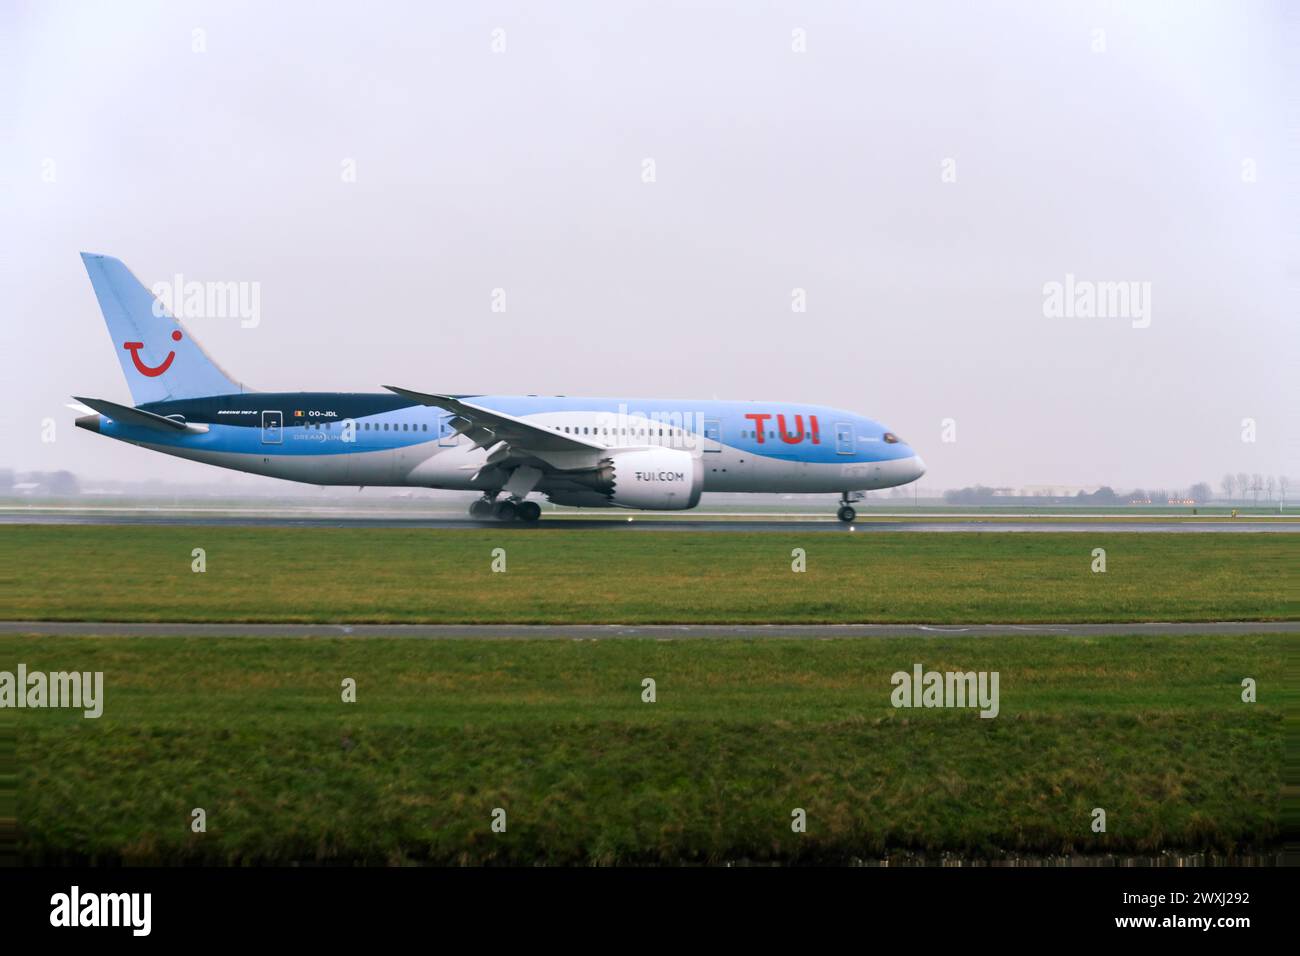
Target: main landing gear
507	509
847	512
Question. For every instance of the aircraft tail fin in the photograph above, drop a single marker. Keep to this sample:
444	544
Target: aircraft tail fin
159	357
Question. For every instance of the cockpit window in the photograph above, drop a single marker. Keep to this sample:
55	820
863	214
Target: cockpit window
891	438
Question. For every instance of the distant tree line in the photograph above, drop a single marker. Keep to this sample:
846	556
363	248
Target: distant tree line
984	495
39	482
1242	488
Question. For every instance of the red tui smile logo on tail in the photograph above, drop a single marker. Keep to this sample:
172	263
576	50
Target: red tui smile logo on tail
151	370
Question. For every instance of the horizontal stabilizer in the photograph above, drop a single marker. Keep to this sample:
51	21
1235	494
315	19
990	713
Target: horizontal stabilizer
137	416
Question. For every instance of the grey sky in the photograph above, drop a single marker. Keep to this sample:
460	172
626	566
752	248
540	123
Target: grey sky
775	170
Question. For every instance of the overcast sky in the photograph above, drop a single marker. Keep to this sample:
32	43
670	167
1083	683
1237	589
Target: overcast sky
922	171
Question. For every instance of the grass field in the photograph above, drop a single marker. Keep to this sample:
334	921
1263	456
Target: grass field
556	733
396	575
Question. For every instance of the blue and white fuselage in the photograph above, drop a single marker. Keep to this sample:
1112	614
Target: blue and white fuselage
601	452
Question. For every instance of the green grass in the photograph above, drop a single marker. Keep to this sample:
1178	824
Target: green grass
589	576
1153	730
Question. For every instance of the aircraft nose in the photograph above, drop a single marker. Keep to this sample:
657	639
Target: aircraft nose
919	464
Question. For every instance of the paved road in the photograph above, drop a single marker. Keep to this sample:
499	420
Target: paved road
612	525
650	632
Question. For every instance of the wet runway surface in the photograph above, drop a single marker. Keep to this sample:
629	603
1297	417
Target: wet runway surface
635	523
642	632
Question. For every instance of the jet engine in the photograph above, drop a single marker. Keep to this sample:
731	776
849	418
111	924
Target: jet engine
652	479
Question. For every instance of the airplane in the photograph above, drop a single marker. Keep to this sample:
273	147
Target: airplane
653	455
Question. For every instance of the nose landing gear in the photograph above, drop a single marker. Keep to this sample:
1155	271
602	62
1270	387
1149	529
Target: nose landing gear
847	512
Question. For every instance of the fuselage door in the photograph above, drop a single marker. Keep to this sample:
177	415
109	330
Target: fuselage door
712	435
844	438
272	428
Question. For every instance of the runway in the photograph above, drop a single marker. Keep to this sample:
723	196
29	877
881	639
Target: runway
659	632
638	523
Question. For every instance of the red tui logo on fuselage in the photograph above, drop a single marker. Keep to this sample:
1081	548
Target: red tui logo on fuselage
786	436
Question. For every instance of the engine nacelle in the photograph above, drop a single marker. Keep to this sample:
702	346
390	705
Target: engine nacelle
653	479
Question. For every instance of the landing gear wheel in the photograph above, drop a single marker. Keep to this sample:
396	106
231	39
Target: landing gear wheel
528	511
481	509
846	513
505	511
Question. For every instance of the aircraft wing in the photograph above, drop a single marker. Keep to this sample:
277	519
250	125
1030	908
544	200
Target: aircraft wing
485	427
